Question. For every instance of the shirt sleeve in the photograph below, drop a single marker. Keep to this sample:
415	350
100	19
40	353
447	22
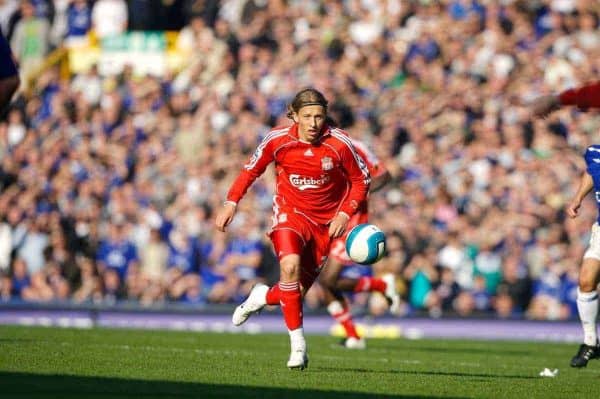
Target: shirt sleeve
255	167
583	97
359	177
592	160
376	168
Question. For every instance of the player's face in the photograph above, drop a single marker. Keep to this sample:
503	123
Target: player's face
310	122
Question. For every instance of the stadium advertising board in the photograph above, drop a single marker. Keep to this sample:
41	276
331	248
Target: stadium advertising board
151	53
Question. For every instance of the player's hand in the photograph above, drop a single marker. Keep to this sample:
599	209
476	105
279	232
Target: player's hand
544	105
338	225
573	208
225	215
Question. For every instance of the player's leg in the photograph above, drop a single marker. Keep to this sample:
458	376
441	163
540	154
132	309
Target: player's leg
290	247
286	241
385	285
336	304
587	306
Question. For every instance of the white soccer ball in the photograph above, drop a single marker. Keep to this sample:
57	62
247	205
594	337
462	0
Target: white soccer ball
365	244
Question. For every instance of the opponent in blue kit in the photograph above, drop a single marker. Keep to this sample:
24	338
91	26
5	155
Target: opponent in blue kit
587	294
584	97
9	76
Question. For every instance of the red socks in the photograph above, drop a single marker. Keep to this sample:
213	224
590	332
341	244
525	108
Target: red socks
291	304
366	284
274	295
342	315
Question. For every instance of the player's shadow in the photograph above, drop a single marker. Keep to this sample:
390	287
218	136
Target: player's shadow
435	373
26	385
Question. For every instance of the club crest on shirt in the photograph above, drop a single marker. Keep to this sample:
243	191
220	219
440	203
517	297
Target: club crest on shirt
326	163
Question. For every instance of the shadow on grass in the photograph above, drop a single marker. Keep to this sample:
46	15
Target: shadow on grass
26	385
434	373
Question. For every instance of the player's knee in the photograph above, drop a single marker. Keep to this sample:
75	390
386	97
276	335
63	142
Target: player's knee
588	278
290	268
586	284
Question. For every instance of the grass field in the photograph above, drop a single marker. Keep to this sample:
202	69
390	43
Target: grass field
37	362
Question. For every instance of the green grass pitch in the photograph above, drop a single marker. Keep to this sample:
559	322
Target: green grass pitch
37	362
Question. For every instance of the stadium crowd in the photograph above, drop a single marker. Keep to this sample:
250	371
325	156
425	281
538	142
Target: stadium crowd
108	183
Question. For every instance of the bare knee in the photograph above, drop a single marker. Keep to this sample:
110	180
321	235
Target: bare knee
586	285
290	268
588	275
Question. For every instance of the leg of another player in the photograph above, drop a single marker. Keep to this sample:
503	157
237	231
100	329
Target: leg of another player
386	285
337	305
587	306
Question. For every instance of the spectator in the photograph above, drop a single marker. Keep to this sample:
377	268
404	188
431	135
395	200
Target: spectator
79	21
7	9
30	40
109	18
515	286
117	260
154	149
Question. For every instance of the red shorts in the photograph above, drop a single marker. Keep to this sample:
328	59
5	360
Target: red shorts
295	234
338	246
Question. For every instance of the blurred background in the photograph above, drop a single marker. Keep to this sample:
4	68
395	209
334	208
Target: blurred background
135	116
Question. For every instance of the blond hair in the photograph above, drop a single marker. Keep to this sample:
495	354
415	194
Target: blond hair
307	96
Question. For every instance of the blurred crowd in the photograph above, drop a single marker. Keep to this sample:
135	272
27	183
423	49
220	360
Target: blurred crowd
109	183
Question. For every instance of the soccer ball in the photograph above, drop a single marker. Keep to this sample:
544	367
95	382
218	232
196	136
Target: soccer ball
365	244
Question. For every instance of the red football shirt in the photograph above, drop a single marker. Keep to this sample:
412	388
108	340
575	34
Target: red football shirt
317	180
374	166
373	163
583	97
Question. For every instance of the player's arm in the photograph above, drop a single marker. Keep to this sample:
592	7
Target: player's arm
380	176
584	97
586	183
262	157
9	76
380	180
360	180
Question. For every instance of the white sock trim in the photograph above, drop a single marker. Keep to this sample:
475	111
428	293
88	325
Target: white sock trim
586	296
335	308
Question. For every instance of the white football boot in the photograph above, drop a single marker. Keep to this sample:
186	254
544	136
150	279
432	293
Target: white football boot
253	304
355	343
298	360
391	294
298	357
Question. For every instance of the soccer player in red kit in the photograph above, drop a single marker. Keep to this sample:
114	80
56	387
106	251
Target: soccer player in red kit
321	181
584	97
330	280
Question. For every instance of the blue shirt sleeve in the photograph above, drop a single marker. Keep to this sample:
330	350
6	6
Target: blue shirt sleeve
7	63
592	160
